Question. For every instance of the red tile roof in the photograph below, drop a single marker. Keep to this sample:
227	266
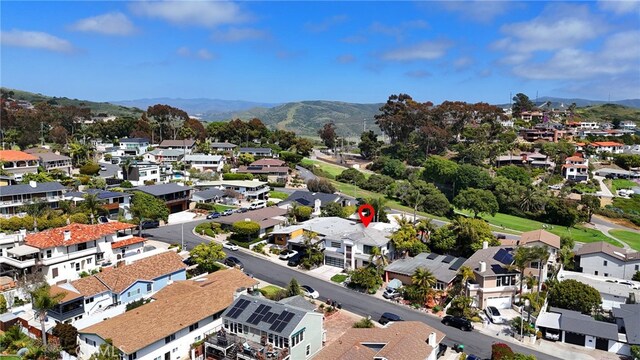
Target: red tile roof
13	155
574	158
80	233
605	143
267	162
127	242
576	166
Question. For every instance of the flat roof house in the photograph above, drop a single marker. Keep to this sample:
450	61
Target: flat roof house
179	315
256	327
204	162
139	173
257	152
18	163
176	197
248	189
222	147
185	145
113	202
133	146
398	341
164	156
14	197
268	218
443	267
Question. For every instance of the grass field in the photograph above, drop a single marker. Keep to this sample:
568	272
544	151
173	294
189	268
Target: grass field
629	237
270	291
619	184
222	207
278	195
331	169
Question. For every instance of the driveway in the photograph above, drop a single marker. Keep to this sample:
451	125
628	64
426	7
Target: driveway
604	190
305	174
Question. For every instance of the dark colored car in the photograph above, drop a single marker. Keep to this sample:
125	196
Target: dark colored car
150	224
459	322
214	215
233	262
294	260
442	348
242	210
473	357
388	317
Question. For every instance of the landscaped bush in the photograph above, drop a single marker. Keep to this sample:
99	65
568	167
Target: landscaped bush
259	249
90	168
501	351
231	176
279	184
209	228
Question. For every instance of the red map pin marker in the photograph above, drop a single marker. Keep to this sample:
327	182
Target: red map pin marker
366	218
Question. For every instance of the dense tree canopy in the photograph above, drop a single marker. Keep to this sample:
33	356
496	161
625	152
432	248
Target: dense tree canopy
328	135
574	295
477	201
206	255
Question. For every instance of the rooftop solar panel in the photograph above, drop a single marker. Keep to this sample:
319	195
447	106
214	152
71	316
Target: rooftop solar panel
457	264
432	256
448	259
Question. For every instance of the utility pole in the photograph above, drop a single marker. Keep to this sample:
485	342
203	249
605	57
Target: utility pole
182	233
42	133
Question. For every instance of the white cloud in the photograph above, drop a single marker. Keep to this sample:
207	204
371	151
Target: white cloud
399	30
478	11
114	23
427	50
621	7
202	54
35	40
345	59
418	74
325	24
462	63
235	34
198	13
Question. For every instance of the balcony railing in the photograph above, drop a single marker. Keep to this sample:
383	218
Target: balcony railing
22	264
69	256
66	315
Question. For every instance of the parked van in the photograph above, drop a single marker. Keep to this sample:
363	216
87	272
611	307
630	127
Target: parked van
258	205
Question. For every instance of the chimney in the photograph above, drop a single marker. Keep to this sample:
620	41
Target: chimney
67	235
485	244
432	339
483	266
33	184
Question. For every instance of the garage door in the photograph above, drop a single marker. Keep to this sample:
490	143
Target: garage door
331	261
602	344
502	302
573	338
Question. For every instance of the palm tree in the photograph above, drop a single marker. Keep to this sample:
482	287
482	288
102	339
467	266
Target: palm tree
92	205
541	253
77	151
13	339
403	221
424	281
531	281
377	258
529	199
425	226
521	259
43	301
379	205
465	273
35	209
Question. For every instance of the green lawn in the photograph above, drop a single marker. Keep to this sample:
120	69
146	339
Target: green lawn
331	169
619	184
278	195
339	278
220	208
270	291
629	237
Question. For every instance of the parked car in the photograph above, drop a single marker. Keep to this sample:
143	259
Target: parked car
242	210
494	314
149	224
103	219
459	322
233	262
258	205
388	317
309	291
295	260
442	348
287	254
473	357
390	293
213	215
552	334
227	212
230	246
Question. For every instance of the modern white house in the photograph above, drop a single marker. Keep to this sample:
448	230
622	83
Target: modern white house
141	173
248	189
185	145
180	315
603	259
14	197
576	168
204	162
164	156
257	152
133	146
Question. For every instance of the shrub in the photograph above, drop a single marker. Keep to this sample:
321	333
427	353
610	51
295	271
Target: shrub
321	185
90	168
259	249
231	176
437	309
79	218
501	351
290	157
134	304
364	323
351	175
275	250
279	184
246	228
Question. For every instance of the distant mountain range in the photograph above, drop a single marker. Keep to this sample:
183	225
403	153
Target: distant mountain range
559	102
196	107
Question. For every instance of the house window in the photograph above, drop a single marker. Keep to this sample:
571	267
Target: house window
637	267
169	338
604	263
535	264
89	260
48	253
595	273
133	356
193	327
54	272
99	256
149	287
82	246
77	266
336	244
308	349
366	249
606	275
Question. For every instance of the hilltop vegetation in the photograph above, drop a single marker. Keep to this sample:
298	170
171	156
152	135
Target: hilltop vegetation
609	112
95	107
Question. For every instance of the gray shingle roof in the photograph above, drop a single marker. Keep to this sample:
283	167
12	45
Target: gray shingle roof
134	140
630	313
276	308
222	145
25	189
177	143
494	267
49	156
308	198
443	271
255	150
208	194
576	322
166	152
202	157
161	189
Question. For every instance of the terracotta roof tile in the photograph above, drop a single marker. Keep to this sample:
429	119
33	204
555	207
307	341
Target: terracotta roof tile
68	294
127	242
151	322
89	286
605	143
80	233
13	155
542	236
402	340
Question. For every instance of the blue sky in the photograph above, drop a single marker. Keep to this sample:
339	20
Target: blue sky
348	51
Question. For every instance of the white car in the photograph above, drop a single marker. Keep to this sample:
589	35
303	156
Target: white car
230	246
309	291
494	315
287	254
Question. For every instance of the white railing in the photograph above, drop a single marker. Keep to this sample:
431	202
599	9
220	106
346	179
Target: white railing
18	263
69	256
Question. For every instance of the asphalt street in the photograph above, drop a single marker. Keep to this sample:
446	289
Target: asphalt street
361	304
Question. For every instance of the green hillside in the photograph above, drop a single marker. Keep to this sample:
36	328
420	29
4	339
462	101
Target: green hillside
609	113
306	117
96	107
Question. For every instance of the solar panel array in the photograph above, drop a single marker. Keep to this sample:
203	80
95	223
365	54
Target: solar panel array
448	259
282	321
457	264
238	308
432	256
259	314
504	257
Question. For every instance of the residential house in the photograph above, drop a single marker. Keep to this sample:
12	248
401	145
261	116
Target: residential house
443	267
544	135
140	173
222	147
273	169
14	197
63	253
115	286
247	189
175	196
545	239
52	161
257	152
624	174
208	196
495	284
114	203
256	327
628	321
204	162
628	125
610	147
397	341
533	159
7	180
576	168
18	163
181	314
531	115
164	156
186	145
614	292
268	218
133	146
603	259
316	201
